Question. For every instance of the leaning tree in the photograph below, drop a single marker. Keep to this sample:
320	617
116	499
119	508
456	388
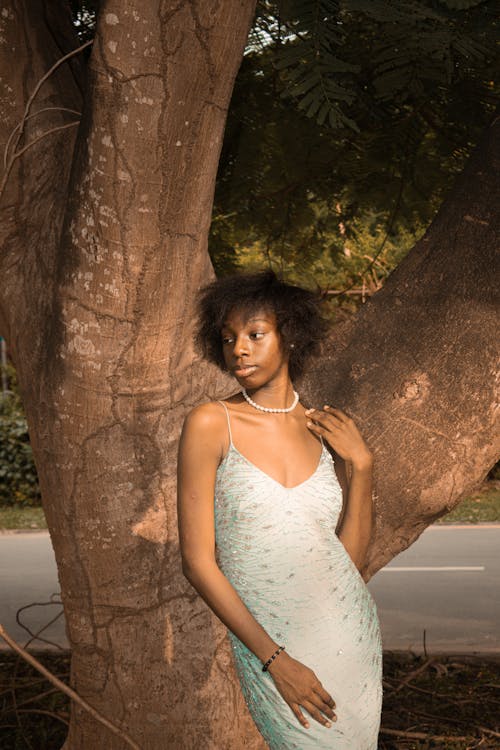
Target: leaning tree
106	195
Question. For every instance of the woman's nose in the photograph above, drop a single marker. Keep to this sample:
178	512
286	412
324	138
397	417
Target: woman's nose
240	347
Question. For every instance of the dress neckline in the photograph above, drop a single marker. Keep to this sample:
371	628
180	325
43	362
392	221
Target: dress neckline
233	448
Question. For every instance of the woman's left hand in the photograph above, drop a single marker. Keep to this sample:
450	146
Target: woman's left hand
341	433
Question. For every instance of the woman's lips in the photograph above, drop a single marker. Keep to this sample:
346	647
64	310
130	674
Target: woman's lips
244	372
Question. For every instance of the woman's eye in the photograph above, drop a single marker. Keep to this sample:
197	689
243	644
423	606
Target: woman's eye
257	334
227	340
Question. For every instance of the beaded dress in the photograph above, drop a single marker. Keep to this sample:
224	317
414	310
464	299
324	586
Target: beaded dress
278	548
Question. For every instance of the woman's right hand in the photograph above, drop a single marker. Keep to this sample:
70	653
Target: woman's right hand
299	686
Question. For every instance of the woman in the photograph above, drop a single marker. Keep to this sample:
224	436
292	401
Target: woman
259	503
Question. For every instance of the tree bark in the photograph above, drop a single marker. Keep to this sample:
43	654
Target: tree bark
105	362
417	368
33	201
104	245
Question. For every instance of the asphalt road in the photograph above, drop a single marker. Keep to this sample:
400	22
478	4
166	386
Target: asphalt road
446	583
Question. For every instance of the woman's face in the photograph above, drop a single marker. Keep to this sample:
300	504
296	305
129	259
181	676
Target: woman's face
252	347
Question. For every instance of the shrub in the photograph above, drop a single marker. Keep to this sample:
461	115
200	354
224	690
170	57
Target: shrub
18	476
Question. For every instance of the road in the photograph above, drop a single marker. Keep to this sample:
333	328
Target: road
447	583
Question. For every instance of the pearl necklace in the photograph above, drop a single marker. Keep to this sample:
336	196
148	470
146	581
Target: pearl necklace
267	408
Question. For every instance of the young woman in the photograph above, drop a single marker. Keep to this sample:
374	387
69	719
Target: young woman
262	536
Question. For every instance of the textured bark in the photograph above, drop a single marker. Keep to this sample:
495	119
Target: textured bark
103	247
100	335
33	201
417	368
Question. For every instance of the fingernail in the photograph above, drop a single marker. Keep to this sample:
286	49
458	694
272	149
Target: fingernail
308	411
309	424
306	725
326	407
328	724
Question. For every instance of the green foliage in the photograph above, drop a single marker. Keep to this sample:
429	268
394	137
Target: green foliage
319	255
482	506
295	193
414	46
313	73
18	476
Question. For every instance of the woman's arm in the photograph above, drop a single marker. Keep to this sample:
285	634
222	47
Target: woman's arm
200	451
355	525
341	472
354	528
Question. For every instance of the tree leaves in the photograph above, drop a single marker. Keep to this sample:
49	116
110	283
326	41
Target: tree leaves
419	91
413	42
312	72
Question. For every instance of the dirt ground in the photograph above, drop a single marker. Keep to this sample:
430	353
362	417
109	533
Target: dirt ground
430	701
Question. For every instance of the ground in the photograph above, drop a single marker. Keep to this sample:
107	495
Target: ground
430	701
446	702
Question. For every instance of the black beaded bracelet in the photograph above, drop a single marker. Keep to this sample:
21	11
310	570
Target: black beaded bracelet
264	668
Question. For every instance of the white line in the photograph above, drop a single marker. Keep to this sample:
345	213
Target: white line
451	526
429	567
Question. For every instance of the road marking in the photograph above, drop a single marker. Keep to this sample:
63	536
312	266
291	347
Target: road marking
429	567
451	526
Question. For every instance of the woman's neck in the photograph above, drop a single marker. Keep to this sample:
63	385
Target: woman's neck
274	395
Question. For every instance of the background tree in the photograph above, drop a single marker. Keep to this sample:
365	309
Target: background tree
104	231
406	115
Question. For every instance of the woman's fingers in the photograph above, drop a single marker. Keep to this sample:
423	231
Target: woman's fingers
323	419
325	431
316	708
324	701
298	713
324	695
316	427
325	706
301	688
337	413
316	713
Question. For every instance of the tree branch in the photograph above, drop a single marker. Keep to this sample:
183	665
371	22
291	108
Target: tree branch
65	689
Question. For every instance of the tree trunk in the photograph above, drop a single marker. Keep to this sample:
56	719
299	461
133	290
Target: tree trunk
104	354
104	245
417	368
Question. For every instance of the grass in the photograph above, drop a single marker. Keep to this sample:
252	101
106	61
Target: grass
22	518
482	506
429	702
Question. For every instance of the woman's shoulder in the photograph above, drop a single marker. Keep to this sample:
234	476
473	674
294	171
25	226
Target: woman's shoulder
206	417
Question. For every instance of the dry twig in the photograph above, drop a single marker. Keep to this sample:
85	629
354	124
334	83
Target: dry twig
20	126
414	674
65	689
422	735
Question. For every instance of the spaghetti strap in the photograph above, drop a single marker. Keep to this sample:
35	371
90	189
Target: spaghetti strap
231	444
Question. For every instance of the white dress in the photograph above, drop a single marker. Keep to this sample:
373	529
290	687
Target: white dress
278	548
